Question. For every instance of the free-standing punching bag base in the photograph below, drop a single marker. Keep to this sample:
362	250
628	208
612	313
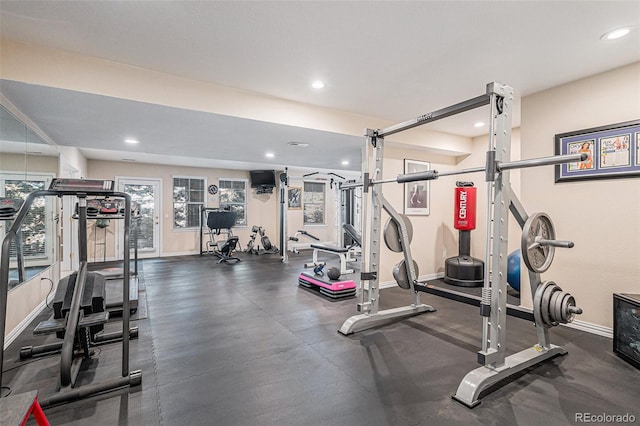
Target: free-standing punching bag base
464	271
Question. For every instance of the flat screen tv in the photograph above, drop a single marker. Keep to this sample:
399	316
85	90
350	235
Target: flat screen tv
262	179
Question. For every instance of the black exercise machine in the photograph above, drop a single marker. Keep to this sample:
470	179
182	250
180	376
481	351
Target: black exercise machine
83	312
267	246
219	223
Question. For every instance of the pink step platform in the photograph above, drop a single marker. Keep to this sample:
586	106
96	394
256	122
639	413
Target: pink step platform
333	289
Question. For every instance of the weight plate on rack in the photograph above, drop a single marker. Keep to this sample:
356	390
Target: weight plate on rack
401	276
541	301
537	257
392	233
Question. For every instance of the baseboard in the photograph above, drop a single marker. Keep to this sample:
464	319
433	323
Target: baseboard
591	328
180	253
26	321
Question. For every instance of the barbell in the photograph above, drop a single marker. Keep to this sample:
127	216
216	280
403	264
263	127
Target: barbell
492	167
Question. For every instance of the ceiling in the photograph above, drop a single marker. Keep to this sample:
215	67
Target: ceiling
391	60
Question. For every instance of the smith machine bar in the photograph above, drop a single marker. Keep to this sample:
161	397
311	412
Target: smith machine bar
551	305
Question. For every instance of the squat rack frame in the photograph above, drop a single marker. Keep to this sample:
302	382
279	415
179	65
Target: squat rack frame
496	366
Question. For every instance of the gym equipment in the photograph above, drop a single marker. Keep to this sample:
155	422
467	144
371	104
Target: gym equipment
76	325
295	238
353	233
393	234
332	289
464	270
513	270
333	273
267	247
102	210
318	269
553	306
539	243
9	207
94	308
220	222
285	242
341	252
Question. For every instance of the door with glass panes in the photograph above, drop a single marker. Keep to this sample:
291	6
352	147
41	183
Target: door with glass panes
145	192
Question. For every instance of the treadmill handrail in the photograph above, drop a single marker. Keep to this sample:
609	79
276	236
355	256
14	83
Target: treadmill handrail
73	317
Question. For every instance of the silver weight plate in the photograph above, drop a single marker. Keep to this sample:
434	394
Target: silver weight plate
401	276
537	257
557	304
546	304
392	234
568	316
538	302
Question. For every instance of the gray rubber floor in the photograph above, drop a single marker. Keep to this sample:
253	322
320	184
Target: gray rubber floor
242	344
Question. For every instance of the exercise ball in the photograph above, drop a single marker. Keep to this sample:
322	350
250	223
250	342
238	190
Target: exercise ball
333	273
513	270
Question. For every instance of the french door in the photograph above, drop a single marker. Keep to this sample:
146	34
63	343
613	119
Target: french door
146	192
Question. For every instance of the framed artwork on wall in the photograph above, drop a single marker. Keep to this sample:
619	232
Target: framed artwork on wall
416	194
295	198
613	151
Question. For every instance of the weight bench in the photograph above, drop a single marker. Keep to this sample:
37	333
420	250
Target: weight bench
342	252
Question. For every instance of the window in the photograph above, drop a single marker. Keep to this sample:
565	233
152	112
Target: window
233	196
314	203
188	196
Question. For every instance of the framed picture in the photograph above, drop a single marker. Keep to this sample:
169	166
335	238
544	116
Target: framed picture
416	194
612	152
295	198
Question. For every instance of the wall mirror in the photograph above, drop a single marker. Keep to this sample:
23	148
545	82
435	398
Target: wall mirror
27	163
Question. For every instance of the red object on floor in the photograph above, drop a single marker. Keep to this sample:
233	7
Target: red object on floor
16	409
37	412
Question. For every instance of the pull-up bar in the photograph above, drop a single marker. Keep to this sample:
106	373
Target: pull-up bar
470	104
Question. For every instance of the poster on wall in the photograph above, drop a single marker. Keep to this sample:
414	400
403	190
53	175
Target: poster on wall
613	151
416	194
295	198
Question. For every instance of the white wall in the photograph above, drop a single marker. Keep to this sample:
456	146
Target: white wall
600	216
261	208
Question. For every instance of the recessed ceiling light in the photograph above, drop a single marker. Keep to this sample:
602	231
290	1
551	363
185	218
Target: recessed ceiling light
614	34
131	140
345	162
269	155
298	144
478	124
317	84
